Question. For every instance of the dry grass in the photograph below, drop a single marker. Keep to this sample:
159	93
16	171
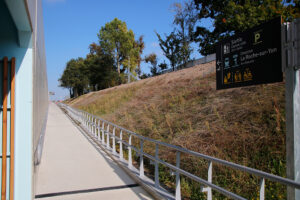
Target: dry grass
243	125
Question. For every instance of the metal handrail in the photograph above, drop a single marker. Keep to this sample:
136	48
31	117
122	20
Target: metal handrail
90	123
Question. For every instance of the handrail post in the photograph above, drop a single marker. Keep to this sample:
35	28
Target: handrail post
209	179
89	128
129	153
83	118
107	136
86	120
142	159
90	123
114	140
156	173
98	130
94	126
103	132
178	192
121	145
262	189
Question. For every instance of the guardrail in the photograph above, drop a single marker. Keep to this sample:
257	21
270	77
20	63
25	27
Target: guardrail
101	129
203	60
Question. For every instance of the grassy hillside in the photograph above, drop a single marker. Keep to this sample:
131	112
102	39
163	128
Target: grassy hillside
242	125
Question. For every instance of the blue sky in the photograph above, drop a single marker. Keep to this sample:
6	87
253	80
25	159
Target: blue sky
71	25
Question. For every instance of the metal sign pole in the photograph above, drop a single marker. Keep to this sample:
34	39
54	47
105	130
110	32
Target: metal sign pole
291	66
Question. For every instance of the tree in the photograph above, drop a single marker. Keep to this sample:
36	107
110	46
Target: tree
163	66
231	16
185	19
152	58
106	62
143	76
141	45
131	56
74	77
66	81
116	40
171	48
102	73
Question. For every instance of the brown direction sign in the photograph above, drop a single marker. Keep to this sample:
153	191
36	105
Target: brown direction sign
251	57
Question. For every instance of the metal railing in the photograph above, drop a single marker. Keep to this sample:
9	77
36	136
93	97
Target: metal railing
101	129
203	60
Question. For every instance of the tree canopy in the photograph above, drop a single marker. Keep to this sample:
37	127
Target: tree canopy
232	16
74	77
118	41
106	63
171	48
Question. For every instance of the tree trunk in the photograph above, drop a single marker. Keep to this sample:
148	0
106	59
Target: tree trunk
75	92
70	91
118	65
118	62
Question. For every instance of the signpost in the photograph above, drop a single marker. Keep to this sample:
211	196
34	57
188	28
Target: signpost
258	56
291	65
251	57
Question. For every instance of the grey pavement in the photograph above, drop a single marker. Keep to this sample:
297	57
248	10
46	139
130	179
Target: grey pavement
72	168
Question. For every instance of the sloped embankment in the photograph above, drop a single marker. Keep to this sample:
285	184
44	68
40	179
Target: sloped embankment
243	125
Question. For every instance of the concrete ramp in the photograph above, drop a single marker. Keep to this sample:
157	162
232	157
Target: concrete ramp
72	168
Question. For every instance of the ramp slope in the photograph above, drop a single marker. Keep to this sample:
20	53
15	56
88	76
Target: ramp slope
71	168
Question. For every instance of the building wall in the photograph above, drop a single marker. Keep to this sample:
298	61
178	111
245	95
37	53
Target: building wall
40	83
9	40
23	38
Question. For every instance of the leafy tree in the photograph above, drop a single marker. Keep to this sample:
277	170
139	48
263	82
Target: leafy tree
112	38
185	19
141	45
132	56
143	76
102	73
163	66
116	40
171	48
232	16
66	81
74	77
152	58
107	61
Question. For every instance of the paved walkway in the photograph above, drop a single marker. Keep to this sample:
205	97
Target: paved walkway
71	168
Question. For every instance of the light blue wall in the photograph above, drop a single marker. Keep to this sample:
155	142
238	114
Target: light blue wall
10	47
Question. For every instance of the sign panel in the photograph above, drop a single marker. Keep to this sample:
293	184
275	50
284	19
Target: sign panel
251	57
